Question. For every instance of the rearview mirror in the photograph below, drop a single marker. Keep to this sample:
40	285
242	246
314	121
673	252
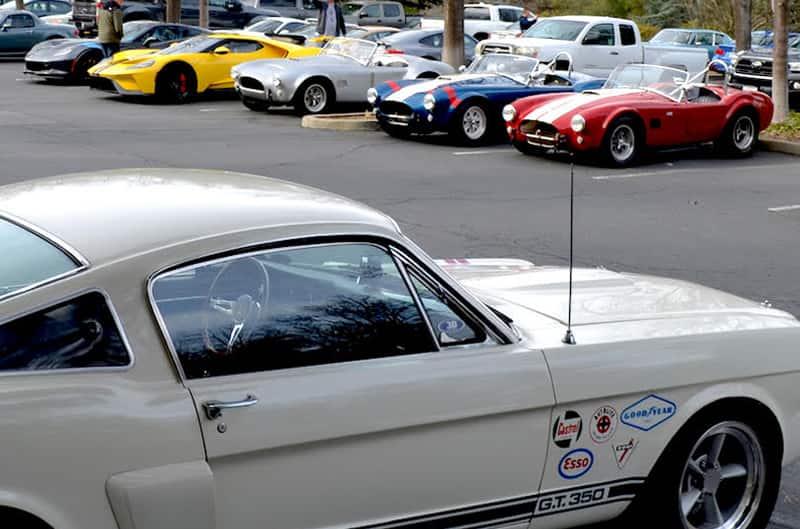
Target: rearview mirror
222	50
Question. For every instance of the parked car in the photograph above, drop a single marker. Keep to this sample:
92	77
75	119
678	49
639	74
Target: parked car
708	39
21	30
276	25
468	105
375	13
64	18
40	8
72	58
426	43
752	69
138	308
641	107
194	66
598	44
341	73
481	20
371	33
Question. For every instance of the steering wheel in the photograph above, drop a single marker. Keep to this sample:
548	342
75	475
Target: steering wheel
236	301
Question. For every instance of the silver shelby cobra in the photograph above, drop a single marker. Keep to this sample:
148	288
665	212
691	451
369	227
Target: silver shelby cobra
342	72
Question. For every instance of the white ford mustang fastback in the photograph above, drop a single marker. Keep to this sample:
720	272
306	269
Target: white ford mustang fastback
195	350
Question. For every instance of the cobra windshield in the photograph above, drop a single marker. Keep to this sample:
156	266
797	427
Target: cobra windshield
358	50
516	67
662	79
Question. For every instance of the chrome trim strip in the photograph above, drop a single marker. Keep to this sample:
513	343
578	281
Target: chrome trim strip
752	76
252	92
400	264
74	295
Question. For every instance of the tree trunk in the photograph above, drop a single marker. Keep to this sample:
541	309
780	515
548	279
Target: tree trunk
453	46
743	16
780	83
203	7
174	11
20	4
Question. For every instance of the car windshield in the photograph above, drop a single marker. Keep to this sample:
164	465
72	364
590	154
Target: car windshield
556	29
265	26
349	9
512	66
661	79
28	259
197	44
134	30
673	36
356	33
309	30
359	50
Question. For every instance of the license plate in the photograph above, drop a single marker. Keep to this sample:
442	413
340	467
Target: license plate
750	88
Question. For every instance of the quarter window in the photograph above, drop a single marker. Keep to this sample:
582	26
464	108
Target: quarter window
391	11
434	41
510	15
75	334
476	13
243	46
627	35
290	308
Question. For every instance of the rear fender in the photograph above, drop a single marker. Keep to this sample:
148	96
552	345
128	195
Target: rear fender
763	112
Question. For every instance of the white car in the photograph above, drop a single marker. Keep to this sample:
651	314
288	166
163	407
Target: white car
194	350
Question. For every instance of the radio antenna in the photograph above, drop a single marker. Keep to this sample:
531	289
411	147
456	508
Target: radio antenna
569	338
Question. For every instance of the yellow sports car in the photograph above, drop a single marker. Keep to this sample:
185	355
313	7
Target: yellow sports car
191	67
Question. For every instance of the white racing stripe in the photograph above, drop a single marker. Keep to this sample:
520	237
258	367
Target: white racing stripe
549	112
427	86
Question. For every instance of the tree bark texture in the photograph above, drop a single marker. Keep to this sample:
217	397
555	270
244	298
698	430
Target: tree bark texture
203	7
780	68
743	14
174	11
20	4
453	46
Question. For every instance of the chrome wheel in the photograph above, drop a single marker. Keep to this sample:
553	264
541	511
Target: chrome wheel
723	481
474	123
623	143
315	98
743	133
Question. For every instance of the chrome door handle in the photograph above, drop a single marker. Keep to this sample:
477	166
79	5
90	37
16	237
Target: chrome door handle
614	53
213	408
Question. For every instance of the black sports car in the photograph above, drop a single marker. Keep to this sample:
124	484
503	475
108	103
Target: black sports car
71	58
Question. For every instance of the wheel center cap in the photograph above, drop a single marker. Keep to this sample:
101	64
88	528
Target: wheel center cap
711	480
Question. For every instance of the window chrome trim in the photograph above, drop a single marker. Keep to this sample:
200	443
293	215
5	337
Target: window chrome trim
415	296
268	247
81	263
75	370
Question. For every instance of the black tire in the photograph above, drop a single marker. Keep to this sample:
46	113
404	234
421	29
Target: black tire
315	96
671	481
85	61
473	123
527	149
256	105
395	131
623	142
740	136
176	84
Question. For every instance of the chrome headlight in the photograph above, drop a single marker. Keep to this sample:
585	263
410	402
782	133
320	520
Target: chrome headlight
525	50
372	96
141	65
794	66
734	60
509	113
276	82
428	102
577	123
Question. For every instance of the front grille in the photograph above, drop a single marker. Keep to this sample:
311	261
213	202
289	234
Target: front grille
754	67
540	134
497	48
35	66
250	83
396	108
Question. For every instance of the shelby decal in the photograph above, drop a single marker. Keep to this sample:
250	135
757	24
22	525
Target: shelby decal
603	424
567	429
588	496
623	451
575	464
647	413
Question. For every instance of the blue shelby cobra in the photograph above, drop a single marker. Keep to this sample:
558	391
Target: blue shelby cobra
468	105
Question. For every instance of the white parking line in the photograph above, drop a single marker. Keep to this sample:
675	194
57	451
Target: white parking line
689	170
784	208
468	153
621	176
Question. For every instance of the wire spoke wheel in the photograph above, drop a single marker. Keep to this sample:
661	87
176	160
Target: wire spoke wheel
623	143
723	480
474	123
315	98
743	133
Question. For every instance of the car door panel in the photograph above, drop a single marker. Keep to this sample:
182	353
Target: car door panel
704	121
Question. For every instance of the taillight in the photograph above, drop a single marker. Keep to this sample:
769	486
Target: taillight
76	33
719	51
395	52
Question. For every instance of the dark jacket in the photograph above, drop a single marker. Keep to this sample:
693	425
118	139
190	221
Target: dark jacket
109	23
340	27
527	22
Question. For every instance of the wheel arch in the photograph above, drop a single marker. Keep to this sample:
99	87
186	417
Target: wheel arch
626	113
739	108
302	80
17	514
181	64
471	98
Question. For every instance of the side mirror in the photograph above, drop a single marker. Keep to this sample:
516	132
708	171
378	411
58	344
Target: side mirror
462	68
222	50
362	14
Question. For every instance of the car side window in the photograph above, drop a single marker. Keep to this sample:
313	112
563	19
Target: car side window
435	40
627	35
372	11
477	13
703	39
20	21
600	35
510	15
75	334
242	46
216	3
391	11
290	308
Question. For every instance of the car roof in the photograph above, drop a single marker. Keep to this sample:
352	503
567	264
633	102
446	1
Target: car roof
110	215
587	18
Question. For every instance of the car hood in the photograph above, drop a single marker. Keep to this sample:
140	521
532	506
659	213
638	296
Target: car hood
553	109
48	48
766	53
307	63
529	293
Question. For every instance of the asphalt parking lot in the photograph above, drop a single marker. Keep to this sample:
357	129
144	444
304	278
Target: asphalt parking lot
731	224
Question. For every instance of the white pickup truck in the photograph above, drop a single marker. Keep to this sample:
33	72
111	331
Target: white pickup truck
480	20
596	44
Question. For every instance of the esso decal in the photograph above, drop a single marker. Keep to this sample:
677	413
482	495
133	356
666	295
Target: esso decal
567	429
575	464
603	424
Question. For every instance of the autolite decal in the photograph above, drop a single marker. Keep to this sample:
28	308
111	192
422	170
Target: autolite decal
575	464
603	424
648	413
567	429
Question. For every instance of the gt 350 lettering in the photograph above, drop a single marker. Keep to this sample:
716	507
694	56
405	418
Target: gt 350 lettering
561	501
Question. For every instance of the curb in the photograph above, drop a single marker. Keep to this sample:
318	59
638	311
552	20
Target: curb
784	146
353	121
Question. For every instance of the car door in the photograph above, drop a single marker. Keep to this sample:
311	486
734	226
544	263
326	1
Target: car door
392	14
18	33
387	68
370	15
704	118
599	53
629	48
329	398
219	67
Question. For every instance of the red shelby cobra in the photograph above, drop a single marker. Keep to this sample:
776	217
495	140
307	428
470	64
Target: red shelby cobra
641	106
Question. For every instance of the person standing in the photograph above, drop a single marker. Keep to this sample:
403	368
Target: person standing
109	26
330	20
527	19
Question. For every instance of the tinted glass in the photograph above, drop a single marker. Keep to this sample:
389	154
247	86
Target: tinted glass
510	15
449	324
76	334
372	11
28	259
476	13
290	308
22	21
600	35
243	46
435	40
391	10
627	35
704	39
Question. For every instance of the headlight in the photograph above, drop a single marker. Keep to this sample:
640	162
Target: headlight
524	50
794	66
372	96
276	82
139	66
509	113
734	60
578	123
429	102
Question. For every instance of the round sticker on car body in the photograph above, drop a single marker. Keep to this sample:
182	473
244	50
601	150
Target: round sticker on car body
567	429
603	424
575	464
